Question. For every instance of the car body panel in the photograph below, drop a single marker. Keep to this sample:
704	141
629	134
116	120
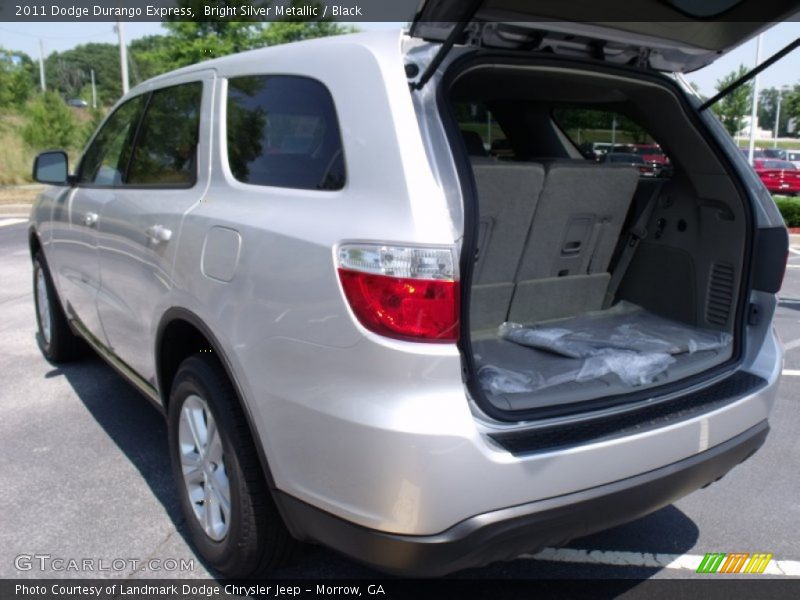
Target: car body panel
74	260
377	431
136	268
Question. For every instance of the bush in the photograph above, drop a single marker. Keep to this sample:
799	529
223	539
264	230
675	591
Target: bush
790	210
16	157
51	124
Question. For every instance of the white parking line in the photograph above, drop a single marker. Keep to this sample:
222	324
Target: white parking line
792	372
687	562
7	222
791	345
794	250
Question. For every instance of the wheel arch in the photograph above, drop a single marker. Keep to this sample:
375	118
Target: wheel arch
180	334
34	243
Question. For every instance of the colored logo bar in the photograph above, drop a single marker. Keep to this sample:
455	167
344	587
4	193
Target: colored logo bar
736	562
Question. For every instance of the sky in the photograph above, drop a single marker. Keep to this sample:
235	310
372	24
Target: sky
62	36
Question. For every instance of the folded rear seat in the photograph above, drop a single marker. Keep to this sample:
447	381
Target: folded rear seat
575	228
508	195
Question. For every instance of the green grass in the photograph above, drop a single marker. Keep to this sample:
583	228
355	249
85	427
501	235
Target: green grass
790	145
790	209
16	158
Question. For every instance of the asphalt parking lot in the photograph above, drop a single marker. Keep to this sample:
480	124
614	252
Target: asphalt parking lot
84	475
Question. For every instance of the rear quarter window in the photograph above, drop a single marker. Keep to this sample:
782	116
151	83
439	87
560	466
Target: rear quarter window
282	131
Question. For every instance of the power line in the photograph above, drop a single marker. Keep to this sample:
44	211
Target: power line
58	37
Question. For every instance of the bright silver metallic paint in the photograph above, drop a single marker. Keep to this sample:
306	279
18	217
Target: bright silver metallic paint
377	431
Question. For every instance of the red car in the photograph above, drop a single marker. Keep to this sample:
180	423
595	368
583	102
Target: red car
651	154
780	176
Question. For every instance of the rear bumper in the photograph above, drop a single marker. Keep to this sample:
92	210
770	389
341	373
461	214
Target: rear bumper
506	533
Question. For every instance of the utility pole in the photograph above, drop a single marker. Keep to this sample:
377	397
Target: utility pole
778	115
94	92
41	66
613	132
754	111
123	57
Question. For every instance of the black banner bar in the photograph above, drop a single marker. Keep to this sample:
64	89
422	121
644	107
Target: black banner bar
404	11
709	587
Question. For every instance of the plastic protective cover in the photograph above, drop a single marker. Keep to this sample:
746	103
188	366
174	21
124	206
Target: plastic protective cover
626	340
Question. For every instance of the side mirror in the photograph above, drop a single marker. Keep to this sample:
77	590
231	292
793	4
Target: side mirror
51	167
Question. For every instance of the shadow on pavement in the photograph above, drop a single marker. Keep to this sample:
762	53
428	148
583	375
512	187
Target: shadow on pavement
135	426
140	432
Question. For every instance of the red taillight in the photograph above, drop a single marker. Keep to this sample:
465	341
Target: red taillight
401	308
403	292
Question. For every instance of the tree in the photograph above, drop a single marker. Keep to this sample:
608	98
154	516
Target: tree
696	88
190	42
732	109
16	78
149	56
51	123
284	32
767	107
69	71
790	110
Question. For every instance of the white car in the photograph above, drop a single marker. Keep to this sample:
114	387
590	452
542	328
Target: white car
793	156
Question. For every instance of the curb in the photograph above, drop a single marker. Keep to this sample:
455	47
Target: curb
16	210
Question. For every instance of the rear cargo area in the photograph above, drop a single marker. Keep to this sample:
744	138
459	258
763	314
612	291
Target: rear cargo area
593	278
594	354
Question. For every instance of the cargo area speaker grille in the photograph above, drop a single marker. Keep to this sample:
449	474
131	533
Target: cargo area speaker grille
720	294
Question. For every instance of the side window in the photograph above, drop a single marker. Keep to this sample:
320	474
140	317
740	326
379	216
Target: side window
609	137
106	158
166	146
283	131
482	133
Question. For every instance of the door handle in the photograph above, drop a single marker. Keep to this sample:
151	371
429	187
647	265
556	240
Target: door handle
90	219
158	233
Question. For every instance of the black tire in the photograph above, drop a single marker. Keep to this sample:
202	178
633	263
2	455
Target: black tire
256	538
61	345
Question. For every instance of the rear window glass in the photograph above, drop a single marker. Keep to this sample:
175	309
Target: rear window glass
482	133
282	131
600	135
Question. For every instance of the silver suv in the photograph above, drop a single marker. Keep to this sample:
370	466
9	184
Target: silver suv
387	305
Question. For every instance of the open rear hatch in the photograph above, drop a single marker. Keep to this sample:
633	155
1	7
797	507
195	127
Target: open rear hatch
594	279
666	35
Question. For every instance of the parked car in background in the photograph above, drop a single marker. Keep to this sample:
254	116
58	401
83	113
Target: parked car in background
778	153
651	153
793	156
780	176
600	149
757	153
632	159
77	103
